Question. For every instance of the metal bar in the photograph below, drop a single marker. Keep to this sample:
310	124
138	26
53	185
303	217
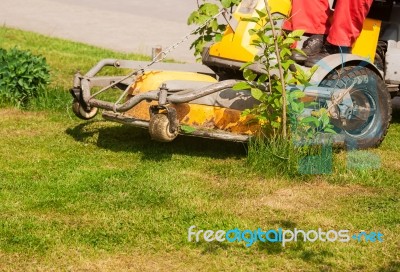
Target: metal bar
137	65
107	80
116	117
133	101
184	96
105	62
213	88
336	140
210	134
183	67
220	135
320	92
181	97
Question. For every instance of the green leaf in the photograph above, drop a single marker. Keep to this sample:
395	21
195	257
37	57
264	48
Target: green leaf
214	25
295	107
253	31
329	130
266	39
313	70
286	52
257	93
192	17
218	37
289	41
297	94
286	64
202	18
249	75
301	107
187	129
263	78
277	103
241	86
247	64
226	3
246	112
209	9
310	120
253	19
296	33
275	124
325	119
261	13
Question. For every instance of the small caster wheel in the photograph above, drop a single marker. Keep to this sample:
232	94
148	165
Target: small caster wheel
81	113
159	129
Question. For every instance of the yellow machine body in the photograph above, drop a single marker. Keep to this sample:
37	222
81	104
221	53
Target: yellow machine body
190	114
367	42
236	43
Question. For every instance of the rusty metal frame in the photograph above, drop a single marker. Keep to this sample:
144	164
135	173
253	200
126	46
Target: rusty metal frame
211	134
83	85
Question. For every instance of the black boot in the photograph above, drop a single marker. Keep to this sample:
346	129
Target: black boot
327	49
311	46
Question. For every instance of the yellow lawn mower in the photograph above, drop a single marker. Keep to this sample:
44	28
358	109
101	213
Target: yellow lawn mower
192	99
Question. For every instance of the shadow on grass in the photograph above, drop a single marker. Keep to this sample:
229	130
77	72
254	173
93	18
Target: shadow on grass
317	257
276	248
286	224
297	249
122	138
392	266
214	248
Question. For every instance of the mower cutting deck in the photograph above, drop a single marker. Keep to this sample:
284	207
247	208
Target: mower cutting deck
172	99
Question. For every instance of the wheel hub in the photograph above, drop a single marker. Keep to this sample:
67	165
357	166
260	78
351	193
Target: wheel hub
355	119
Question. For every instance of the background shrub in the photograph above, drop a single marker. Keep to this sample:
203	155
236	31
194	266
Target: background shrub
22	76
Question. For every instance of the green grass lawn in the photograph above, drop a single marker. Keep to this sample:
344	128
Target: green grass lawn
99	196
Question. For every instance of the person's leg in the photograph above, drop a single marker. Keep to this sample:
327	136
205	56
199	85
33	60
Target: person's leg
347	23
348	20
312	16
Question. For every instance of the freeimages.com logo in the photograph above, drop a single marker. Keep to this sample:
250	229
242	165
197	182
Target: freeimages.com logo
249	237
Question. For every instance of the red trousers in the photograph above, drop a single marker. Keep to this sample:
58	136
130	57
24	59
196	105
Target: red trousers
313	17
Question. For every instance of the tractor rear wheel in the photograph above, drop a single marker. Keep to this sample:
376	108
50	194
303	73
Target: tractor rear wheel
368	121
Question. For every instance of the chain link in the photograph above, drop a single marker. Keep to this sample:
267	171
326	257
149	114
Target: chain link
164	53
160	56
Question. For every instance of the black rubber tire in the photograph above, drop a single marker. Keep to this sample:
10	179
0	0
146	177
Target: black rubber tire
369	90
81	113
159	128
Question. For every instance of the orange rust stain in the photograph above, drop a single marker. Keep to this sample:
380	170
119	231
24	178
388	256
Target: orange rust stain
202	116
182	111
307	99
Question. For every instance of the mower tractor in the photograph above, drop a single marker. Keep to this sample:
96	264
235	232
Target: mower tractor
170	99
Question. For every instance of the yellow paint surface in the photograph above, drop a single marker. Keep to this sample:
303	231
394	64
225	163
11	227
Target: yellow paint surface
201	116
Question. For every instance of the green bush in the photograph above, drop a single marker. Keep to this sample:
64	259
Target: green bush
22	76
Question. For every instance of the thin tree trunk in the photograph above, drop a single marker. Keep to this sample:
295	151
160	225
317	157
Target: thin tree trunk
278	58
